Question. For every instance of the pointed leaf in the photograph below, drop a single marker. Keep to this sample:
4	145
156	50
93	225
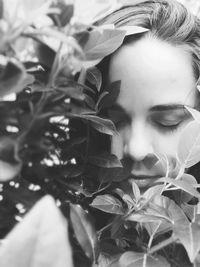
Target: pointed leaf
105	160
131	29
136	190
103	42
195	113
184	185
111	98
102	125
84	231
108	204
130	259
189	145
41	239
94	77
189	235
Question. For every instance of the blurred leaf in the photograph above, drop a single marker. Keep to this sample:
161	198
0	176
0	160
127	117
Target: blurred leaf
102	43
9	171
41	239
189	235
84	231
108	204
105	160
130	259
94	76
189	145
14	78
66	12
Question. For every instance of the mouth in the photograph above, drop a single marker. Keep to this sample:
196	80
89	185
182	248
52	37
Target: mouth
143	180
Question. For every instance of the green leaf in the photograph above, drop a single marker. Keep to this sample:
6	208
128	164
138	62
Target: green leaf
103	42
94	77
105	160
41	239
108	204
130	259
189	236
136	190
84	231
189	145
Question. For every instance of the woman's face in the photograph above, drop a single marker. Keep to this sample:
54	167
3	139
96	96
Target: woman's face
157	80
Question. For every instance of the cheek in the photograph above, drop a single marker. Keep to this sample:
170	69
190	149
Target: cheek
117	146
167	143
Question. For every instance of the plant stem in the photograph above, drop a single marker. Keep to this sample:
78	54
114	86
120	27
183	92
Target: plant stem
82	76
162	244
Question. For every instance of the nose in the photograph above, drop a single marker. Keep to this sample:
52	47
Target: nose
139	143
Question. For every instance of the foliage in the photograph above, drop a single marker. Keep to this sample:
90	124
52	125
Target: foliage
54	139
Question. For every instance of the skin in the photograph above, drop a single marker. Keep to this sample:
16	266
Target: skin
157	80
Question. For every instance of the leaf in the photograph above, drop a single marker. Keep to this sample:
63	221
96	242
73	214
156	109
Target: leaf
195	113
189	235
41	239
102	43
183	185
130	259
112	174
84	231
94	77
66	12
152	191
105	160
101	125
14	78
136	190
131	29
189	145
108	204
111	98
9	171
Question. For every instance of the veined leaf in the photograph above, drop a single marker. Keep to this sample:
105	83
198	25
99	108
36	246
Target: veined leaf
189	145
189	235
103	42
102	125
136	190
130	259
105	160
84	231
94	77
41	239
184	185
108	204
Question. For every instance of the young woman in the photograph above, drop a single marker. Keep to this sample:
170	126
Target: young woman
159	72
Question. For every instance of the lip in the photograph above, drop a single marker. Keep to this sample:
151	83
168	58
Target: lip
144	177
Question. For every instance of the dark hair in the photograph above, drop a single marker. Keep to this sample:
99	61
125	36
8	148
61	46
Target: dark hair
167	20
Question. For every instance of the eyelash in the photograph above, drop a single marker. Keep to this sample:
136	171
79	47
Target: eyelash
168	128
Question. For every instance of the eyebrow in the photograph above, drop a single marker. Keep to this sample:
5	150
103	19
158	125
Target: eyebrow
168	107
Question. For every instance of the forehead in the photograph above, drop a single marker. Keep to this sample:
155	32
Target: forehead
153	72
